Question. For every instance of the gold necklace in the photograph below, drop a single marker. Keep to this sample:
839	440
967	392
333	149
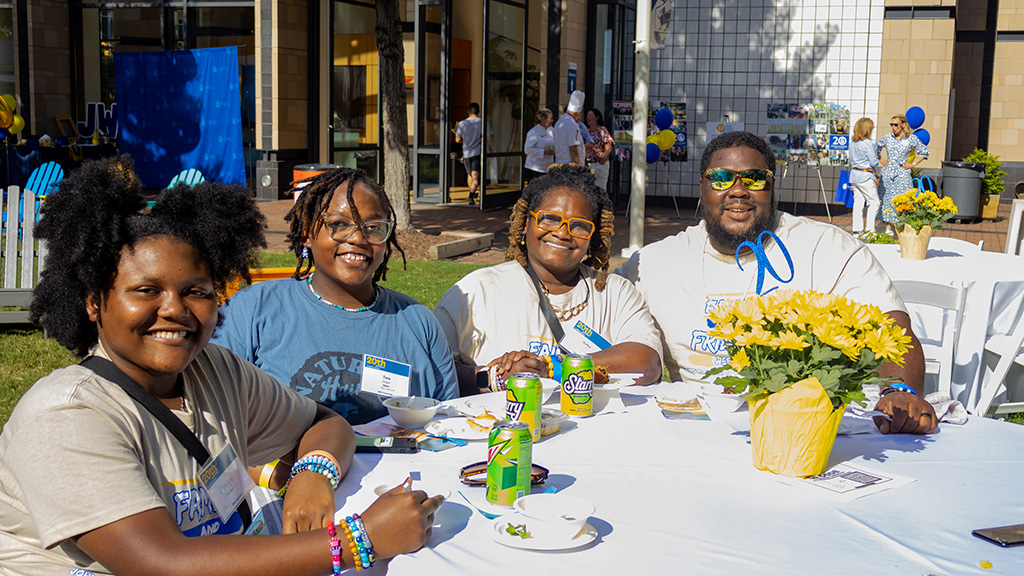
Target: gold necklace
566	315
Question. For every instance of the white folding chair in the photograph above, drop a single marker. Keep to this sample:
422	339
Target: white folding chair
938	355
1008	349
1015	230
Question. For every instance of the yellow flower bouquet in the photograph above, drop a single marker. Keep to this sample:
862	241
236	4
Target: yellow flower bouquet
919	209
799	358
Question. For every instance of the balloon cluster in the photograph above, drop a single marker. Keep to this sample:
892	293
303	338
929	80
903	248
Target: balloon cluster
10	123
664	139
915	118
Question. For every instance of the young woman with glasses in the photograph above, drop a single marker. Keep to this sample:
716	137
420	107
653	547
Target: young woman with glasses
896	165
311	331
561	231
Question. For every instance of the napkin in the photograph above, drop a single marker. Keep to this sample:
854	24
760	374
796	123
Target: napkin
946	409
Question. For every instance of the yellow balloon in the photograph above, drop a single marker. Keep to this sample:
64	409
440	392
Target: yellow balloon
652	139
666	139
6	118
9	102
18	125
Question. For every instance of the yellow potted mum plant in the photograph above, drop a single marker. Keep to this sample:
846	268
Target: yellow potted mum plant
918	213
799	358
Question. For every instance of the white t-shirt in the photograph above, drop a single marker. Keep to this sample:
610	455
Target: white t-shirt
79	453
683	278
567	134
539	139
496	310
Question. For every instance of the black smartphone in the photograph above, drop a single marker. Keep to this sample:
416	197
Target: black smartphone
378	444
1005	536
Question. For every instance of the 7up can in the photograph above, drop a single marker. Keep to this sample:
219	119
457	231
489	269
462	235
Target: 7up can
578	385
523	400
509	462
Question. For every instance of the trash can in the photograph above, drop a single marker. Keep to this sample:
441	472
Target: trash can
961	182
308	170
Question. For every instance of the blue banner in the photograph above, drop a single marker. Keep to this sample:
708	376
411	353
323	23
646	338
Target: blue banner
179	110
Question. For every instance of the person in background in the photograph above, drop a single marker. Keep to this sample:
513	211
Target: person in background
92	479
597	157
568	141
540	146
896	177
312	330
469	133
863	160
685	277
494	317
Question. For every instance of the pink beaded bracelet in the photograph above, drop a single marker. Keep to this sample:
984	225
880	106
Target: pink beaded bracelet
335	550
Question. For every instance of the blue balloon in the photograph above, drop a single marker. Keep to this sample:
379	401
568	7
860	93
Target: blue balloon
653	153
915	117
663	118
923	136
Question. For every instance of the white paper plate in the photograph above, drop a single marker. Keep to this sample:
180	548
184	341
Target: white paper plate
616	381
458	428
586	536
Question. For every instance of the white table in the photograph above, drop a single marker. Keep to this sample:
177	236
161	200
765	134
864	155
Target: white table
994	306
681	497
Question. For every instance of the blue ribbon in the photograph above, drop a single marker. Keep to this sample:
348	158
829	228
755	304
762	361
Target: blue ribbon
762	260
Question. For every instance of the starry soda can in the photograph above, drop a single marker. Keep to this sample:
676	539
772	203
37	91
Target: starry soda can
523	401
509	462
578	385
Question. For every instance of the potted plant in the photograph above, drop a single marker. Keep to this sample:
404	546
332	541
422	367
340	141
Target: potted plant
991	184
918	213
799	358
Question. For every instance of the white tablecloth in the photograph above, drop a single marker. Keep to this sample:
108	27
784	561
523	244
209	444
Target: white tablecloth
682	497
994	306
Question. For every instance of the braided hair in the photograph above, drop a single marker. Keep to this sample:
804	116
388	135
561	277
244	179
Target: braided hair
314	200
97	212
578	178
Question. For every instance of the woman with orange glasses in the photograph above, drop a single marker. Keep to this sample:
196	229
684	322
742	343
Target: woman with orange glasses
554	295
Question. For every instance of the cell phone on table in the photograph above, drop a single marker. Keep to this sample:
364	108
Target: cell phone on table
1005	536
379	444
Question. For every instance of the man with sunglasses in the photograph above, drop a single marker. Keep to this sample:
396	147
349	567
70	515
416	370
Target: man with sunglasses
733	253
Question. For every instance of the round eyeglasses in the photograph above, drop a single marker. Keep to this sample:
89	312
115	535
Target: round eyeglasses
374	231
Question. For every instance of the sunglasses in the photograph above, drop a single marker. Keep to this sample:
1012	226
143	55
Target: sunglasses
375	231
476	474
552	221
723	178
893	124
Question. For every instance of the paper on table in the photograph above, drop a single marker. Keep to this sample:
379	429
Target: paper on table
845	482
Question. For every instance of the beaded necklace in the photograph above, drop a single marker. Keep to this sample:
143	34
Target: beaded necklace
376	295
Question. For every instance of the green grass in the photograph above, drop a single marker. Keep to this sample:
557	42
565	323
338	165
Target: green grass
26	356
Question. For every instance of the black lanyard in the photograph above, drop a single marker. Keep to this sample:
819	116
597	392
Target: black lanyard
547	309
186	437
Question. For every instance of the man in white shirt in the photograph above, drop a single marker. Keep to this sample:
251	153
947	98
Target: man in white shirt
568	141
686	276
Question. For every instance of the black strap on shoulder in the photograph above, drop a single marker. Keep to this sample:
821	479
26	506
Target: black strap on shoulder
186	437
545	307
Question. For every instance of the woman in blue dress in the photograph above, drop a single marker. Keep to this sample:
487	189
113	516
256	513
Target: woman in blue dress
896	165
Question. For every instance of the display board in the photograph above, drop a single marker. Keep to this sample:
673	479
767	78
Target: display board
813	134
678	151
622	128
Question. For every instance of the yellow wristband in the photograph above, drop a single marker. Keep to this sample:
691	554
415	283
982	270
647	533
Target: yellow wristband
267	472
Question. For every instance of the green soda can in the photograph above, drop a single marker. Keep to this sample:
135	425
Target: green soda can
509	462
578	385
523	400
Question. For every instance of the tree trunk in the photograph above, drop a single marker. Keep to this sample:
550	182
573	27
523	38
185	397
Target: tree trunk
391	58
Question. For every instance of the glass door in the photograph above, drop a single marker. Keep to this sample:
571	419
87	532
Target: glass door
502	110
355	116
431	170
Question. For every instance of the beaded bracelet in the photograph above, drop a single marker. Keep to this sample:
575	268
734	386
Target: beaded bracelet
335	550
897	387
323	453
317	464
366	538
359	543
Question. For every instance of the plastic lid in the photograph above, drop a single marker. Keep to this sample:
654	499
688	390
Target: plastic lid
979	166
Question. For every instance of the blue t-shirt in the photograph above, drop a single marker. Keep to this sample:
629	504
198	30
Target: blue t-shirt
317	349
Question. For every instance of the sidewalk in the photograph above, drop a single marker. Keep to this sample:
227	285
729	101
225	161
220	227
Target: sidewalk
658	223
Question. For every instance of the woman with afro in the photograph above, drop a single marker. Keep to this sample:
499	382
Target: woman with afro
561	232
312	330
92	479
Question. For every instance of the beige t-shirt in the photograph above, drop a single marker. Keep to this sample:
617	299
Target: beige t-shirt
78	453
496	310
683	278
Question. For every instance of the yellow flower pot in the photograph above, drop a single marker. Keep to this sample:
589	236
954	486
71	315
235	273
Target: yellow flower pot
914	245
792	431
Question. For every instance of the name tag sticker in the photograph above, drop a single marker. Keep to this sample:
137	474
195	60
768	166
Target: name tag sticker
583	339
385	377
226	482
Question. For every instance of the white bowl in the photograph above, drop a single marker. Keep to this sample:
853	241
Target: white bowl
554	516
411	412
719	401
